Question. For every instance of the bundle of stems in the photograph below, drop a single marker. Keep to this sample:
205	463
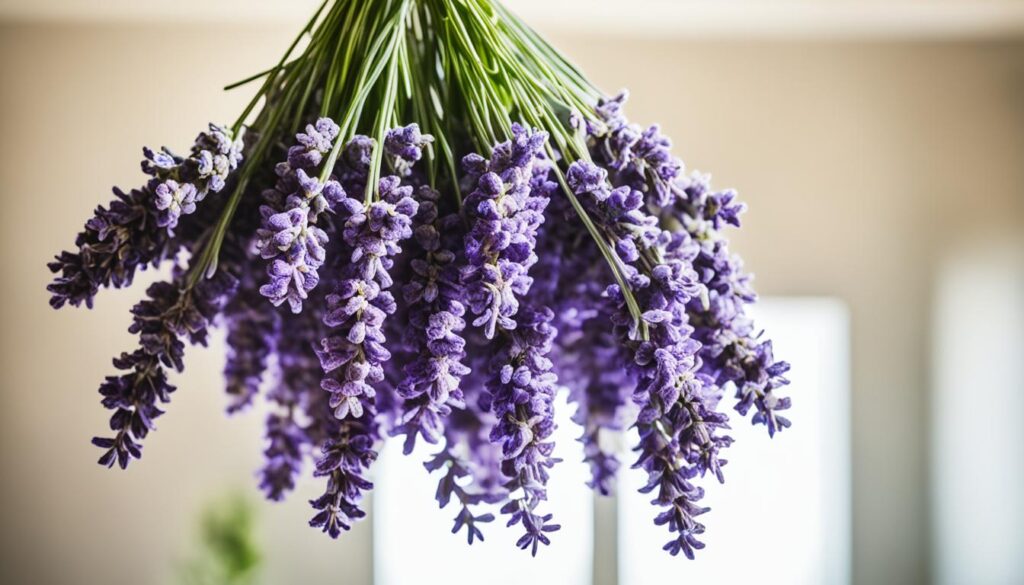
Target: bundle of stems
425	224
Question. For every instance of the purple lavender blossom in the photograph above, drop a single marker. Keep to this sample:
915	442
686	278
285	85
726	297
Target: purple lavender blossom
290	237
173	200
179	183
678	421
506	213
430	387
353	354
500	246
170	315
405	146
521	393
286	442
344	462
732	349
116	242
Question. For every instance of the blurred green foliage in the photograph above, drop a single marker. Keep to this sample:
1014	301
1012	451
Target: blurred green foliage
228	552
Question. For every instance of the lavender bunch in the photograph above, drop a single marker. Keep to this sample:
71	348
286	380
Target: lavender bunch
406	245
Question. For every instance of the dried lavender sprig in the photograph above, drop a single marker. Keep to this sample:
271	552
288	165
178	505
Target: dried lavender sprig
121	238
430	388
678	423
502	237
180	183
353	353
290	237
170	315
731	349
116	242
344	462
500	249
522	391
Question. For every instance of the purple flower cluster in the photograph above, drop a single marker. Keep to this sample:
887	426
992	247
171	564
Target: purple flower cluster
121	238
353	353
180	183
521	392
692	336
730	345
290	237
602	271
116	242
677	419
506	211
404	146
169	316
431	384
505	217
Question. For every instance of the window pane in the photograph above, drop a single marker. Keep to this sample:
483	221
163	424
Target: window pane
413	542
977	437
782	515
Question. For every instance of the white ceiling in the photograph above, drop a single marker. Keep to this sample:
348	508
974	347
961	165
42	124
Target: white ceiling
823	18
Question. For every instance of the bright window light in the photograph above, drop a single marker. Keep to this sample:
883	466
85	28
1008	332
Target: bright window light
782	515
977	437
413	541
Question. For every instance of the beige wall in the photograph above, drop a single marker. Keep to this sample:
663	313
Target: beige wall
862	164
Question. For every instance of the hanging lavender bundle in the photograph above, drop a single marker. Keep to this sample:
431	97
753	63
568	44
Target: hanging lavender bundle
425	225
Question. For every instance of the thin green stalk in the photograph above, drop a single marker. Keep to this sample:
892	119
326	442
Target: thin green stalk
277	68
609	255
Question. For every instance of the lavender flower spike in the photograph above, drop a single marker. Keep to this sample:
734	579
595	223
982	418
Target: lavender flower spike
353	354
500	246
521	394
290	237
170	315
430	388
180	183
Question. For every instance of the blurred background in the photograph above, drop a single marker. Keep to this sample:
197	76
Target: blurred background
880	147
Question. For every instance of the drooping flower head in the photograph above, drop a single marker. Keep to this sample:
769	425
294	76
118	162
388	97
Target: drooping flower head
291	238
353	353
432	378
507	210
180	183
